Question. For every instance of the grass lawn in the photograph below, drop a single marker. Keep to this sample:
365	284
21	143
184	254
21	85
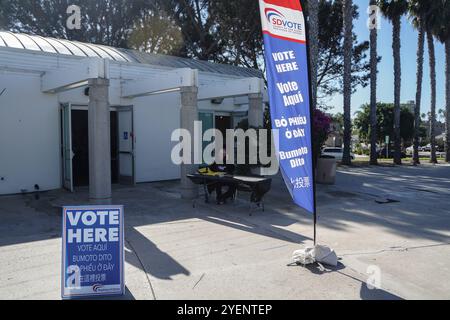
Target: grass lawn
361	161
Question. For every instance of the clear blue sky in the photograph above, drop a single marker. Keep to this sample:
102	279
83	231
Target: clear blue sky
385	92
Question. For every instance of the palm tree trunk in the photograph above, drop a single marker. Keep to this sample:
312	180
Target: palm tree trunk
313	33
447	100
432	58
373	92
420	52
397	88
348	52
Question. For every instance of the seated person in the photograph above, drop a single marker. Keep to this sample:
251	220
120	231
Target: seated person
225	168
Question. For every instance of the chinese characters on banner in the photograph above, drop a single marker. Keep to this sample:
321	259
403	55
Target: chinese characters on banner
93	260
286	58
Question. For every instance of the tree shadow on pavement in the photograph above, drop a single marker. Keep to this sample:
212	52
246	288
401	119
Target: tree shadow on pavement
365	292
420	209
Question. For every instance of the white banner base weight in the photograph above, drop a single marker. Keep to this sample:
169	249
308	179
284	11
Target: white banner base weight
318	253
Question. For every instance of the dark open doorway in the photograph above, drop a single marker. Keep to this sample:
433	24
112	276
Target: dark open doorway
223	123
80	148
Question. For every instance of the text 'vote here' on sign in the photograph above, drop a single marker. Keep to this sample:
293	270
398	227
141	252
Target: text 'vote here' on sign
99	226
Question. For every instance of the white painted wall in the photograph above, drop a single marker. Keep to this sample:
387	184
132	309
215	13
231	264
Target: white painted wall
29	135
155	118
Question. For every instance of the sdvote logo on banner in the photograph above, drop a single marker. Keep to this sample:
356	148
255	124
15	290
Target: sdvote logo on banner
279	21
283	26
283	19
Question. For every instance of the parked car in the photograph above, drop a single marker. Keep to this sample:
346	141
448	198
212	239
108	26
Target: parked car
410	150
337	153
382	154
426	148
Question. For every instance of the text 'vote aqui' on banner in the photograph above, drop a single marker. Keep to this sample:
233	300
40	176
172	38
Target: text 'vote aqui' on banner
286	58
93	251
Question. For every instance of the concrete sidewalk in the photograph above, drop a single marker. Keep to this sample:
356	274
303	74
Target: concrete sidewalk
174	251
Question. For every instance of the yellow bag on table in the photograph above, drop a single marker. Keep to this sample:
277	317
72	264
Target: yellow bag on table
209	172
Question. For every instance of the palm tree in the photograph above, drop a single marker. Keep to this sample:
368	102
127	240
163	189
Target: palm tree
417	10
394	10
348	52
373	88
441	28
313	34
432	58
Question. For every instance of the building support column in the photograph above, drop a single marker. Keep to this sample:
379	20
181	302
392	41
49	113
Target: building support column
99	142
255	110
255	120
188	116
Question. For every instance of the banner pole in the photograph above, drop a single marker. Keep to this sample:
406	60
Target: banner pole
311	116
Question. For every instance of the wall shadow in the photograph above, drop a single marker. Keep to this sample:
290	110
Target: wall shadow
145	255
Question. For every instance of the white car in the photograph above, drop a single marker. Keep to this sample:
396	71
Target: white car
337	153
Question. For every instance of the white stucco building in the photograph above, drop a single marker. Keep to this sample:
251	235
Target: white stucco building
55	132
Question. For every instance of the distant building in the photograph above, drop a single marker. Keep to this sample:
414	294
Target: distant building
441	137
440	126
335	138
411	105
77	114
